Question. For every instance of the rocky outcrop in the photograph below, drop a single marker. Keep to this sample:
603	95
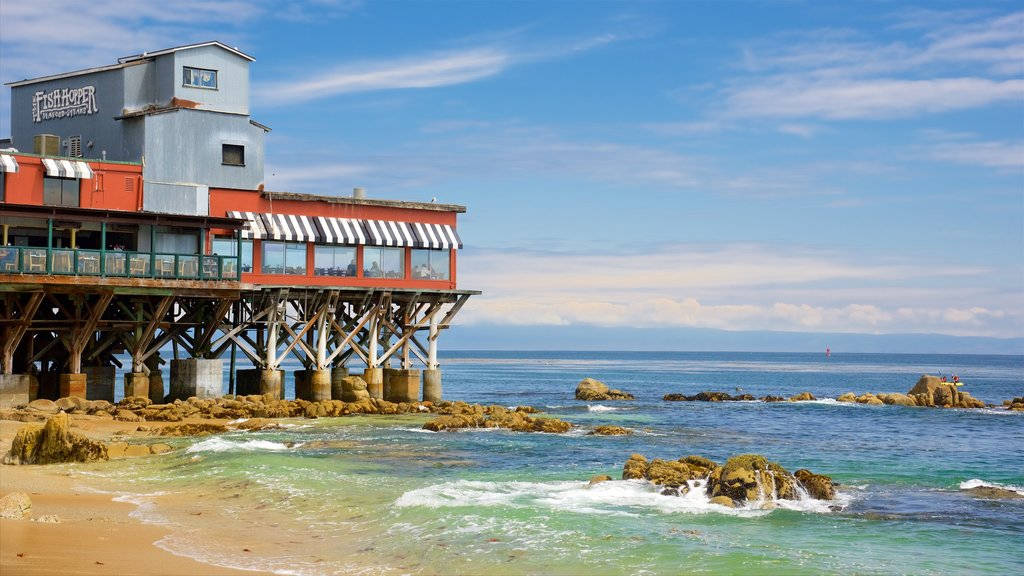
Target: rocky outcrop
126	450
54	442
818	486
598	479
16	506
610	431
994	493
848	397
190	429
1016	404
707	397
932	391
743	479
896	399
353	389
496	417
802	397
593	390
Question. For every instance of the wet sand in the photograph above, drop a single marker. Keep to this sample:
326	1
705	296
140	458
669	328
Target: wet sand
95	535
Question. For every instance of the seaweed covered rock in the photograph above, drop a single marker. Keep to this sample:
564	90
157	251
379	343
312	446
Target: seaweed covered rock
635	468
1016	404
353	389
848	397
751	477
818	486
610	431
802	397
590	390
896	399
53	442
497	417
708	396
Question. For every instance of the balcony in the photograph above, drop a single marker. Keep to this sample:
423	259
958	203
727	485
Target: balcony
117	264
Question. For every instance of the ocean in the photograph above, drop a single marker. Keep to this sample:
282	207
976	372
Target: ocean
380	495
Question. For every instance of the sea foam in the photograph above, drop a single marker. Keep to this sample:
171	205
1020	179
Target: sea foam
979	483
218	444
616	498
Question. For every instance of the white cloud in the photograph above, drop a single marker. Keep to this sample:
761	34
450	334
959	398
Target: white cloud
869	98
1000	154
841	74
428	71
737	287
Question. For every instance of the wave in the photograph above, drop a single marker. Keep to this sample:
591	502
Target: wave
218	444
602	408
615	498
979	483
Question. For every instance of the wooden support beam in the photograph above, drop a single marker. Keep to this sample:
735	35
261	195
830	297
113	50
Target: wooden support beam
445	322
14	334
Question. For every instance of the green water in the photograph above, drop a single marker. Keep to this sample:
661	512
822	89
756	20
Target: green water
378	495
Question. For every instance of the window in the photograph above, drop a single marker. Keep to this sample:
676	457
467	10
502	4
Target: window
232	154
75	146
383	262
284	258
334	261
223	246
3	182
199	78
430	264
60	191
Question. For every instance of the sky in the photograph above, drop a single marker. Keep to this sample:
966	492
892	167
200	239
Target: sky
743	166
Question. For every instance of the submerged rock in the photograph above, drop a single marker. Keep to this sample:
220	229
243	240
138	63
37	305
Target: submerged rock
53	442
497	417
598	479
994	493
590	389
196	429
16	506
610	431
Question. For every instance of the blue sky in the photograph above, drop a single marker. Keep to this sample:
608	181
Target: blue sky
811	167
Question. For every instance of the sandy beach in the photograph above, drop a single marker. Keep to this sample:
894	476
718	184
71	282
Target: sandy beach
95	535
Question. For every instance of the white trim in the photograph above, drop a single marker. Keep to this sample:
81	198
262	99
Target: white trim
8	164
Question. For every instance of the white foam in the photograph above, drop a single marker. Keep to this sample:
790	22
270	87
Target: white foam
219	444
617	497
979	483
601	408
236	421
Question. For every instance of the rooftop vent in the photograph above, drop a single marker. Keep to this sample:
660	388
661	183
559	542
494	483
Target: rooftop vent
358	193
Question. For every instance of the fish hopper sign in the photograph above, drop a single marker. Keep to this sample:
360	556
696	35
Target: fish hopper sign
64	103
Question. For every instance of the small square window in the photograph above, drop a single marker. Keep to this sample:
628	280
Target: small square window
199	78
233	154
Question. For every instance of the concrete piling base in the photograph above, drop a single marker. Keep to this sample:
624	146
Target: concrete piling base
401	385
313	385
338	375
16	389
200	377
259	382
100	382
156	386
432	385
136	384
374	378
72	385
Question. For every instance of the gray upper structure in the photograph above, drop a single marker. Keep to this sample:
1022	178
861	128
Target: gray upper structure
182	112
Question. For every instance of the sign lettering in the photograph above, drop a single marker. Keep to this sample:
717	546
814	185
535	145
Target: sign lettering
64	103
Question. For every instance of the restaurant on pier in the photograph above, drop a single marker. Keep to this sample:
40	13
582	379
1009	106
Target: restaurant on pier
136	232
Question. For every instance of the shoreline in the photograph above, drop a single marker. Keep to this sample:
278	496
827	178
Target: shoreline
97	532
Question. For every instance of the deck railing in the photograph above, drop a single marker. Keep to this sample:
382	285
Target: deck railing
117	263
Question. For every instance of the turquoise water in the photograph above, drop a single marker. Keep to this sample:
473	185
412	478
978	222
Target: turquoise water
380	495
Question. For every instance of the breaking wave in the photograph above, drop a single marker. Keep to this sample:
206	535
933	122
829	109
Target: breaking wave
218	444
978	483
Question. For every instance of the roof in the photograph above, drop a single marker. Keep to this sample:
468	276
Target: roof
364	201
119	216
122	62
145	55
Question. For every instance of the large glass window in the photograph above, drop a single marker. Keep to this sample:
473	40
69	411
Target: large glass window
168	242
334	261
383	262
229	246
430	264
199	78
232	154
60	191
284	257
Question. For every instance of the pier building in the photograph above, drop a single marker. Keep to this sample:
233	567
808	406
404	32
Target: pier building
138	232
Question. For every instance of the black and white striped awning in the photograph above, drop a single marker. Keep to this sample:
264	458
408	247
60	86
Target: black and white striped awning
340	230
291	227
348	231
8	163
58	168
437	236
253	224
